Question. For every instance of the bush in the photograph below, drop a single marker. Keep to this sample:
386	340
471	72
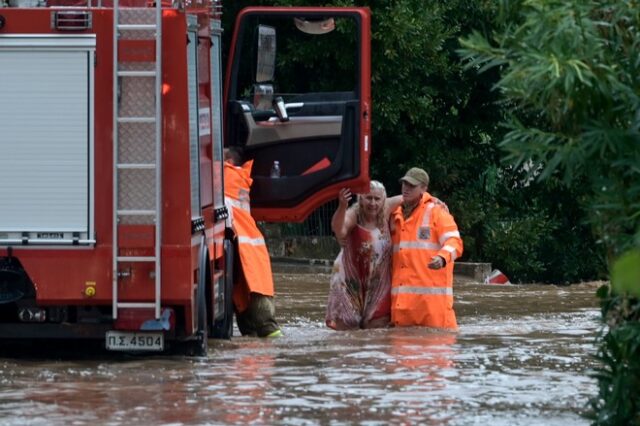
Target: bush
570	70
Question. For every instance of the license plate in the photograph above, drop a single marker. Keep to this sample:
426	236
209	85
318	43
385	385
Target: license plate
131	341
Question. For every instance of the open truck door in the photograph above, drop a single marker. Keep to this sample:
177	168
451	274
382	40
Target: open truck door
297	92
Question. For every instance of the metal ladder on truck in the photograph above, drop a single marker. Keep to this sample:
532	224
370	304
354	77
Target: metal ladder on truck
137	140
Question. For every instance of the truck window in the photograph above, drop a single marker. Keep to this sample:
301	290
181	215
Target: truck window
308	67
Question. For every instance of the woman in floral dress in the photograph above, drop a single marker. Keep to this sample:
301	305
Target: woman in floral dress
360	294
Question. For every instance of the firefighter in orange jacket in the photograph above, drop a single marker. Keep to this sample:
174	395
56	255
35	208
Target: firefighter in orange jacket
426	242
253	283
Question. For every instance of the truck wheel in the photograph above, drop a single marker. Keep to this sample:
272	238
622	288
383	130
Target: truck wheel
223	328
199	344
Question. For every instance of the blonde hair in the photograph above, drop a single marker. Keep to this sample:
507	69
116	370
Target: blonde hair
382	214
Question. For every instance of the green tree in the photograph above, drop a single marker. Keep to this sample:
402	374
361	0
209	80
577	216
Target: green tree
570	73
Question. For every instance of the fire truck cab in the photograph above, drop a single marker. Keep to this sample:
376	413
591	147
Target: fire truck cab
113	119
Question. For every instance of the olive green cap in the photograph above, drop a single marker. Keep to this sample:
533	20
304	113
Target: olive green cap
416	176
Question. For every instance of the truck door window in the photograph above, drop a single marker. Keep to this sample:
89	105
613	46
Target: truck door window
307	61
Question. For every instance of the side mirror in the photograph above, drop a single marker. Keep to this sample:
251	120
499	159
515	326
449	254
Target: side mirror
262	96
280	108
266	60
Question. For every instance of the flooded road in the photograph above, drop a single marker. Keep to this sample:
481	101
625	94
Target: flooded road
521	358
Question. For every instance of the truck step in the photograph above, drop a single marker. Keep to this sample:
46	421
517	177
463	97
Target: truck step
136	259
131	212
136	305
137	27
136	119
136	166
136	73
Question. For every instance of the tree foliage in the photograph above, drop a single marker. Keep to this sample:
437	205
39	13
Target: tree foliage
571	74
570	71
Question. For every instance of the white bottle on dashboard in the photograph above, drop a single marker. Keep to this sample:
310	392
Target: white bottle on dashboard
275	169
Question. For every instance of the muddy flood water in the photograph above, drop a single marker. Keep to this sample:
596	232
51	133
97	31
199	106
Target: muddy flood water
522	357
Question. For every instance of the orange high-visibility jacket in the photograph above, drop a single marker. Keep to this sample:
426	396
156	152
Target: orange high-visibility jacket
254	257
419	295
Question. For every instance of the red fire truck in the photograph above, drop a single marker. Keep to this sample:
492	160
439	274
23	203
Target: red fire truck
113	119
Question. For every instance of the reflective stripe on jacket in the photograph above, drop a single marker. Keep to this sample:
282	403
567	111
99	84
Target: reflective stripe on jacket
254	257
419	295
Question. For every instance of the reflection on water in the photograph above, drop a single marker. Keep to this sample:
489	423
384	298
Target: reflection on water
521	358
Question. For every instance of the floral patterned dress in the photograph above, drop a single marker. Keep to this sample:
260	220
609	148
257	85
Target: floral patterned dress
361	281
